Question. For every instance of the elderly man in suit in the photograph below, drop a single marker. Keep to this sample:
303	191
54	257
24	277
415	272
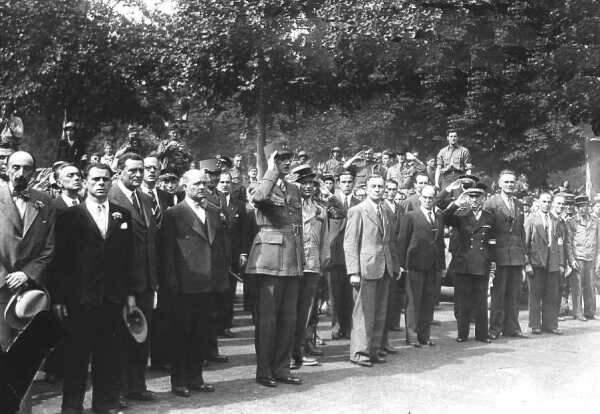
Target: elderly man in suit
340	290
276	258
27	220
195	259
94	261
510	258
471	260
545	255
421	250
371	263
126	194
159	198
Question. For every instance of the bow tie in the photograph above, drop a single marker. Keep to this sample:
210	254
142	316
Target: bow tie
23	195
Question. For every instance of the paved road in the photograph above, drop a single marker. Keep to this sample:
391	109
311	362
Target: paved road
543	374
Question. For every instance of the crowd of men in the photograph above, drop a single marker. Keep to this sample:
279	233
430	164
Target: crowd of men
364	237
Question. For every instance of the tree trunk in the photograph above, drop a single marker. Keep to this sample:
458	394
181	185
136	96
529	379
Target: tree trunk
261	133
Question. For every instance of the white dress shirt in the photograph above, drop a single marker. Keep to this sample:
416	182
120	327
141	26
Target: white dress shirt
99	212
68	200
19	202
198	210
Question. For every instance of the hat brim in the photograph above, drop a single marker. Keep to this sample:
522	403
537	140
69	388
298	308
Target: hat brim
10	314
140	335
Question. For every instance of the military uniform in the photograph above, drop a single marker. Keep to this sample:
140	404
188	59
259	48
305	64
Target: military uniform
471	267
457	158
276	258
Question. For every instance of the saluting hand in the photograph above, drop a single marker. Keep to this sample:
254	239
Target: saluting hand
271	163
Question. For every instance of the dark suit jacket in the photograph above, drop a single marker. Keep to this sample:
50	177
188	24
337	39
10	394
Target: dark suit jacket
25	245
237	228
145	262
540	253
337	227
171	198
92	269
421	245
510	231
194	259
472	254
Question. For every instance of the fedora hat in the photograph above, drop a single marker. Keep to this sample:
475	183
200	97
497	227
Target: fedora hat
136	323
24	305
304	172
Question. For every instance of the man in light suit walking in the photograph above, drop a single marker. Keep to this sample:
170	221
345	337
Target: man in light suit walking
371	264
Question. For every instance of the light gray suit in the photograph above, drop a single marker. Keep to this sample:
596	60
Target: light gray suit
368	252
26	245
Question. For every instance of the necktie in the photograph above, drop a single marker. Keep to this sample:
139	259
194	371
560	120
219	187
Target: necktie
155	206
548	228
136	203
101	220
379	217
431	218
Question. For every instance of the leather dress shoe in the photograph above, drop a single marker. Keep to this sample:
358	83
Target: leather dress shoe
484	340
555	331
202	387
266	381
142	396
390	350
416	344
289	380
430	343
226	333
378	360
362	362
108	411
520	335
123	404
536	331
219	358
493	336
181	391
461	339
312	349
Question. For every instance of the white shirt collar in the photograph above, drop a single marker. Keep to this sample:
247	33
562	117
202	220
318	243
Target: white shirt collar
197	209
92	205
125	190
426	212
68	200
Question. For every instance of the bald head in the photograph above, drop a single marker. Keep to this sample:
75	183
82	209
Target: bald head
20	169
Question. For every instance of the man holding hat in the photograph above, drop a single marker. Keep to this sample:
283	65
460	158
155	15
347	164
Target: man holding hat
584	258
276	258
472	260
94	259
27	238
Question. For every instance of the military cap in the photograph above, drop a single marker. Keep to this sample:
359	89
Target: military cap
224	160
327	176
476	189
168	173
336	149
210	164
282	148
69	125
469	177
569	198
582	200
388	152
303	172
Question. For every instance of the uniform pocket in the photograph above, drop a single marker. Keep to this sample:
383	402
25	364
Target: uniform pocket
268	253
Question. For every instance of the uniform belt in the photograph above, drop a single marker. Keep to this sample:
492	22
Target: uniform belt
295	229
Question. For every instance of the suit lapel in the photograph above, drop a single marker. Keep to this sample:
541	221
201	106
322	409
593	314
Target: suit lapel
371	213
111	221
9	209
121	199
211	224
194	221
31	212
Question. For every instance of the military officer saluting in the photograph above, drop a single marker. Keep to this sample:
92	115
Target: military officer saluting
471	259
276	258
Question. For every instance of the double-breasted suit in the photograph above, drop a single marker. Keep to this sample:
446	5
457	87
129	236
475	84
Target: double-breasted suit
369	253
144	282
26	245
196	259
94	279
545	243
421	253
470	267
510	259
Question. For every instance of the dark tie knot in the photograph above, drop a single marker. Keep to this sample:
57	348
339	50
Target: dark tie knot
23	195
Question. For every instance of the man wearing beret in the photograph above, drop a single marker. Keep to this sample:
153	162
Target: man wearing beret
276	258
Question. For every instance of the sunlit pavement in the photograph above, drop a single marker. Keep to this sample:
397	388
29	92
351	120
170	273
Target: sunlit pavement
542	374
